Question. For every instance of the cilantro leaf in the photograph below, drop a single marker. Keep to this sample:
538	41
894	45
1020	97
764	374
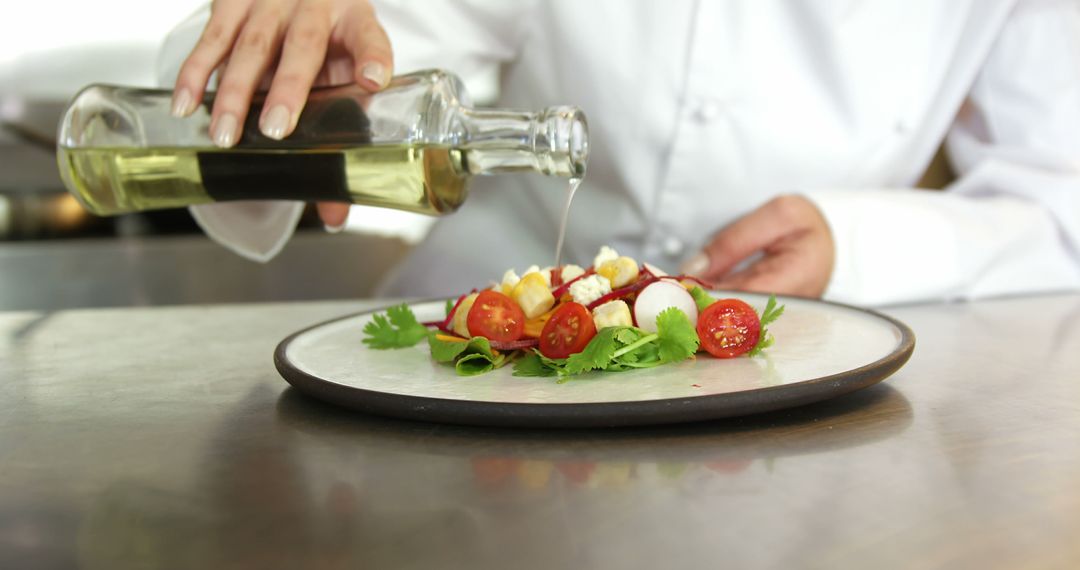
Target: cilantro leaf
398	328
631	356
551	362
449	306
702	298
628	335
771	312
676	337
596	355
532	364
616	349
768	316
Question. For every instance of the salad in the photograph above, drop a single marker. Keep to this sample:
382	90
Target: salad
561	321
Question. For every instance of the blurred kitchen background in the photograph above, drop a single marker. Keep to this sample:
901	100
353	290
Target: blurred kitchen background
54	255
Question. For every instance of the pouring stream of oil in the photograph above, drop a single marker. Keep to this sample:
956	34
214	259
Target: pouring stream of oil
570	191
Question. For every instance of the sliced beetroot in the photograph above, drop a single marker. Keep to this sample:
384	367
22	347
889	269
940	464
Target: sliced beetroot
555	276
702	282
444	325
514	345
623	292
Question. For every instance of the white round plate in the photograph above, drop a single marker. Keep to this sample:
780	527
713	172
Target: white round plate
822	350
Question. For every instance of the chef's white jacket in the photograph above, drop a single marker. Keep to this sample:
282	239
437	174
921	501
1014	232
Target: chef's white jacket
701	110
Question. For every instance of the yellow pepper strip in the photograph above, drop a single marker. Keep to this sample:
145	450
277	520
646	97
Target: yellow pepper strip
448	338
533	327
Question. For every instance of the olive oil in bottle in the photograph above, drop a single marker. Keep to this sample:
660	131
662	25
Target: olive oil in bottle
427	179
412	146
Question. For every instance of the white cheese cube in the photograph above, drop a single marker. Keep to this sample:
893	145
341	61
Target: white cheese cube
459	324
509	281
612	314
621	271
542	273
533	296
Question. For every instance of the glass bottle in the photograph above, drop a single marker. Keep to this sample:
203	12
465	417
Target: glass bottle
413	146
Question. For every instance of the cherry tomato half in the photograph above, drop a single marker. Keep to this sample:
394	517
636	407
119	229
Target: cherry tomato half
567	332
496	317
728	328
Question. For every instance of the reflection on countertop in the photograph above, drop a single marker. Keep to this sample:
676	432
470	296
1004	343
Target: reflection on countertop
162	437
186	269
320	486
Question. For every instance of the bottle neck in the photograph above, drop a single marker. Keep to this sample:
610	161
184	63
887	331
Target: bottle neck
554	141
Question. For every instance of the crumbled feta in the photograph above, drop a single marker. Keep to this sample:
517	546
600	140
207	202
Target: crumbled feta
509	280
571	272
588	289
606	254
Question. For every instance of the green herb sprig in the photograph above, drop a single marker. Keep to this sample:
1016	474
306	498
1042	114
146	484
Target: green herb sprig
620	348
768	316
398	328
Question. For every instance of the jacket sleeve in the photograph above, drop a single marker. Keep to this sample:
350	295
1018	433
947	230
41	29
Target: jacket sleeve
1010	224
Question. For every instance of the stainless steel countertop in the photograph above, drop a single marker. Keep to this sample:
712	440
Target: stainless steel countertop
187	269
164	438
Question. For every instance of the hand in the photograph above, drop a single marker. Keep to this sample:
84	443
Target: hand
792	244
290	44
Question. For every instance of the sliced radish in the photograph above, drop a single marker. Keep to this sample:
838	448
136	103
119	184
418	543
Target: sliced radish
657	298
653	270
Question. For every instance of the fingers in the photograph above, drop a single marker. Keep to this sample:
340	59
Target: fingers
803	269
302	57
369	45
214	44
780	273
338	70
333	215
248	34
255	49
746	236
798	263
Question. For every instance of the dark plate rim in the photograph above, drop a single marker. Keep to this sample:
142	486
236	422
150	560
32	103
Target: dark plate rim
597	414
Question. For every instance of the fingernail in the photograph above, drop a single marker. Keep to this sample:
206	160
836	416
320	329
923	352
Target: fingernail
183	103
225	131
276	122
334	229
375	71
695	265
